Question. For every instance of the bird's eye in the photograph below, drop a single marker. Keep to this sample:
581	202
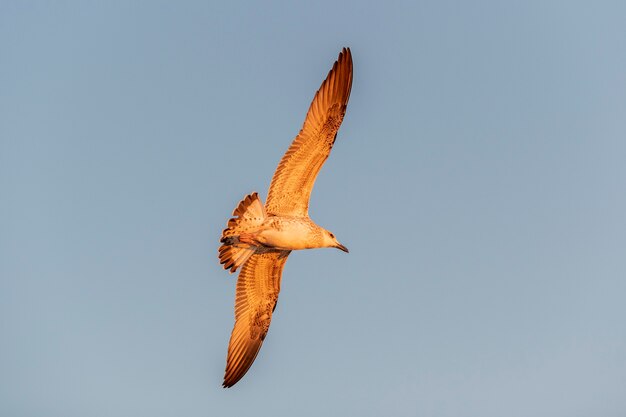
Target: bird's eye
331	235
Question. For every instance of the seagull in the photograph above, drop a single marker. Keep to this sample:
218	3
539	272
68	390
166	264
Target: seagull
259	238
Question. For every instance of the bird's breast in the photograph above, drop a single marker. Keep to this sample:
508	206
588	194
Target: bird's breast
288	233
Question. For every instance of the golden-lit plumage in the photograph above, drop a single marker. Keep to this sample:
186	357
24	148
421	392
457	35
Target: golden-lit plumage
257	292
259	239
293	180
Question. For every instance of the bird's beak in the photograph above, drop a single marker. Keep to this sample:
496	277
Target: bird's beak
343	248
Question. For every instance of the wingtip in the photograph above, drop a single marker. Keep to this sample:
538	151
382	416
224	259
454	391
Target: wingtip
345	51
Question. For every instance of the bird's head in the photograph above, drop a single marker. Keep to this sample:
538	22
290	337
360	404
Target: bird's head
330	241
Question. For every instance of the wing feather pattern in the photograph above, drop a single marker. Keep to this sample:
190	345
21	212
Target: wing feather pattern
295	176
258	286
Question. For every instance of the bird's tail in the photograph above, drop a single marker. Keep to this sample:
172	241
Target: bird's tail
237	241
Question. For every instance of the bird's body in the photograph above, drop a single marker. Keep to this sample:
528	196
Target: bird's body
290	233
260	237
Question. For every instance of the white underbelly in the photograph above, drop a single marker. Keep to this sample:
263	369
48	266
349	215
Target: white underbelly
291	235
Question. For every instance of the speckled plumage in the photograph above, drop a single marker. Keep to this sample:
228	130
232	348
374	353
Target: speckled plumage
259	238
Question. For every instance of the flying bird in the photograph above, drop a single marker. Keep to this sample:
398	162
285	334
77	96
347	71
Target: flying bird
259	238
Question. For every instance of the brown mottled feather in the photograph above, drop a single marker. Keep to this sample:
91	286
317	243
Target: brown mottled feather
250	214
258	286
296	173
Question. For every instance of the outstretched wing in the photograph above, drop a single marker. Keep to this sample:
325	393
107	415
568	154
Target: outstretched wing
294	178
257	292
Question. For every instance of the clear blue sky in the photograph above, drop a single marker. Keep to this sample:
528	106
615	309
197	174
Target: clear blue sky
479	180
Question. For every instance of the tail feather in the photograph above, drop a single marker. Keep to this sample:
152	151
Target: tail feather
250	214
249	208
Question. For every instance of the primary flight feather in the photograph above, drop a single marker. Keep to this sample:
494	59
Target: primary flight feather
259	238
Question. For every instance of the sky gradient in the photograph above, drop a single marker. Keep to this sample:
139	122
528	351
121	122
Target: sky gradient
478	180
